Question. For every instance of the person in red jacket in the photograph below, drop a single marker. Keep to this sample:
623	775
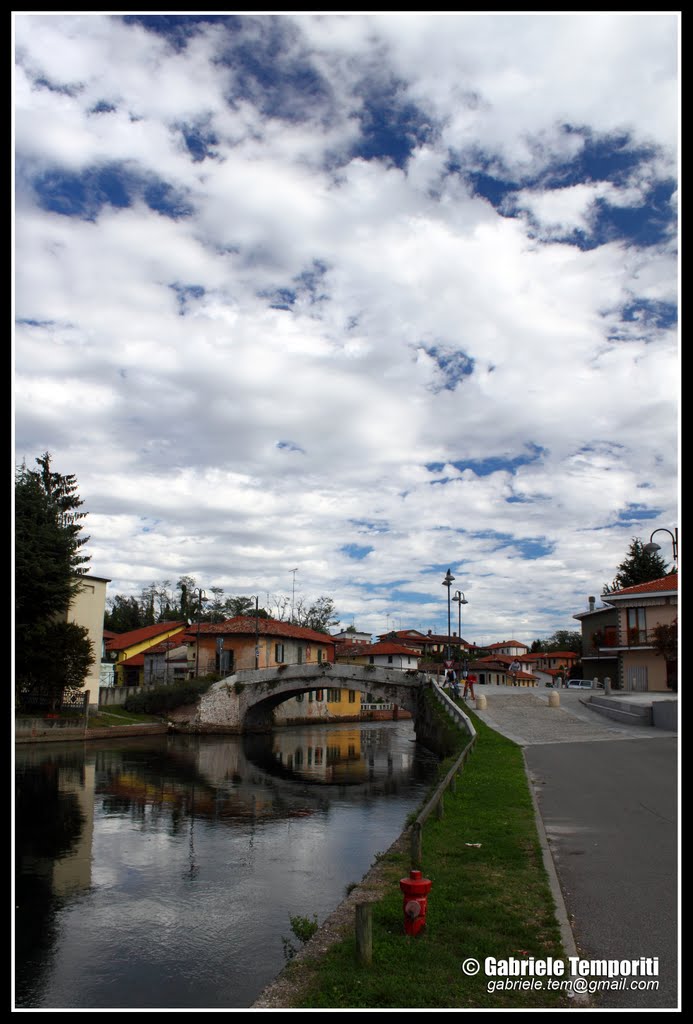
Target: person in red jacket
469	681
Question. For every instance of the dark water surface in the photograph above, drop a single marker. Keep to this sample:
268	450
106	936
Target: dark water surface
162	872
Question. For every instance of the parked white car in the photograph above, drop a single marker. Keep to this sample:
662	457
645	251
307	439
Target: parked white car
579	684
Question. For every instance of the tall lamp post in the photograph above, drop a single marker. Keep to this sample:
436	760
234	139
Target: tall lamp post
460	599
201	597
447	582
257	634
651	548
293	592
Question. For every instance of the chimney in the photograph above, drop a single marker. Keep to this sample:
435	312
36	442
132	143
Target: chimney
591	601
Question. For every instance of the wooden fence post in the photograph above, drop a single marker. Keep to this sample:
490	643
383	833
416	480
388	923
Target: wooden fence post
364	933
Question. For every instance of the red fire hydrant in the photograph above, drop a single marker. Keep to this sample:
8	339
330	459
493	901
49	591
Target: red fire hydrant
415	904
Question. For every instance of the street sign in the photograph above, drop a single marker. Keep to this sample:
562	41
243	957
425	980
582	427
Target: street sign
448	664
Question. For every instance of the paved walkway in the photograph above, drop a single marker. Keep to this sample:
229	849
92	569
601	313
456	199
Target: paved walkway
607	817
523	714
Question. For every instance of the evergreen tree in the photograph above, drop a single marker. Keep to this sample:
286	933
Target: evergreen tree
123	614
49	560
639	566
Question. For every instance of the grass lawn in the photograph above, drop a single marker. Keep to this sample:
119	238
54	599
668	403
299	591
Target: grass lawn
119	716
490	898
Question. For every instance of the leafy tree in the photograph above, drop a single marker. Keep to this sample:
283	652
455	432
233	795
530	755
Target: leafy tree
319	616
239	606
639	566
216	607
665	640
49	559
563	640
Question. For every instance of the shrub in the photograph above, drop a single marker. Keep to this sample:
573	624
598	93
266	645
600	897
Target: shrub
165	698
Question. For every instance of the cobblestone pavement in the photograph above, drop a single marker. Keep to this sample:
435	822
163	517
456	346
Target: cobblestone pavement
524	716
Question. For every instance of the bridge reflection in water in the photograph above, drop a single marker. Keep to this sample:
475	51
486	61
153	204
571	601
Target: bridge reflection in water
161	872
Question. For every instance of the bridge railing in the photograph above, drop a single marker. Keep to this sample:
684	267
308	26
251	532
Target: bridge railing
436	804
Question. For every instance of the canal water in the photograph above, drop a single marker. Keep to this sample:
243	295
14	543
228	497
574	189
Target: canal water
163	872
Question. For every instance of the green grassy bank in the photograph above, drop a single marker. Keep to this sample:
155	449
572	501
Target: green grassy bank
490	897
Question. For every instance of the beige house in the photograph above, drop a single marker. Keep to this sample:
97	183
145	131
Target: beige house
87	609
621	639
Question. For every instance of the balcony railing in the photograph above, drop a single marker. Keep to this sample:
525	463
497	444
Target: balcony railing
615	636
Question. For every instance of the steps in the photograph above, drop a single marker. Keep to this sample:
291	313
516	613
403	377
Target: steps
621	710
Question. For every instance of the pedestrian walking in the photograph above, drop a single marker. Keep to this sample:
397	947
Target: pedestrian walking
469	681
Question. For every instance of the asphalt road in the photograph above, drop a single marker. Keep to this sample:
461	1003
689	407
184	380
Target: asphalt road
608	799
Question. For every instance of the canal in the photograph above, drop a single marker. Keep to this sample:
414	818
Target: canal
163	872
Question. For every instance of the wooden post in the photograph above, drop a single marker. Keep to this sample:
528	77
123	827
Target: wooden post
416	845
364	933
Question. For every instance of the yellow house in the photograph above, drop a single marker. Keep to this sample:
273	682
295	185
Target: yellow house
128	649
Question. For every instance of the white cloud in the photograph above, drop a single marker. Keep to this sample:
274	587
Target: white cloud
236	389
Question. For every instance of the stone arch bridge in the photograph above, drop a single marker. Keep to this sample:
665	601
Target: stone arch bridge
245	701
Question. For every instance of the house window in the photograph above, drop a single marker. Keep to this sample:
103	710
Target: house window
389	659
637	632
279	653
371	659
299	655
334	696
320	654
352	696
318	694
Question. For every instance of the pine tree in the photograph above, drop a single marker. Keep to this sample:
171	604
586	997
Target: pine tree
639	566
49	559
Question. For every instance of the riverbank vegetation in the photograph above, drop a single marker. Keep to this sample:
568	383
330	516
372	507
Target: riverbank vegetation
490	897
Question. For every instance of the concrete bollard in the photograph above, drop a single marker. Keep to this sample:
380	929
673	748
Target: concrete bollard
554	699
481	702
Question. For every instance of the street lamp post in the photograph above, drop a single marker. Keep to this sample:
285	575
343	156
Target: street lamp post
651	548
257	635
201	597
447	582
460	599
293	592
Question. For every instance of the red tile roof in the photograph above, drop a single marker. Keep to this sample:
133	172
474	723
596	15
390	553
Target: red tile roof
385	647
506	643
244	625
136	636
665	583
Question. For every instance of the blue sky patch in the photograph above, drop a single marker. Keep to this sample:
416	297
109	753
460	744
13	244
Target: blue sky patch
453	364
357	551
85	195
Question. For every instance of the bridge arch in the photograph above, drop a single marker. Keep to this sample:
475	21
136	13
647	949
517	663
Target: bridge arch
245	701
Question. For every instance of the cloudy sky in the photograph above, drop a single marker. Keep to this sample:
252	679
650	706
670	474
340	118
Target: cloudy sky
361	296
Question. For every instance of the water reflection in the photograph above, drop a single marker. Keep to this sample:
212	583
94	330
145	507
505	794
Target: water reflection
161	872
